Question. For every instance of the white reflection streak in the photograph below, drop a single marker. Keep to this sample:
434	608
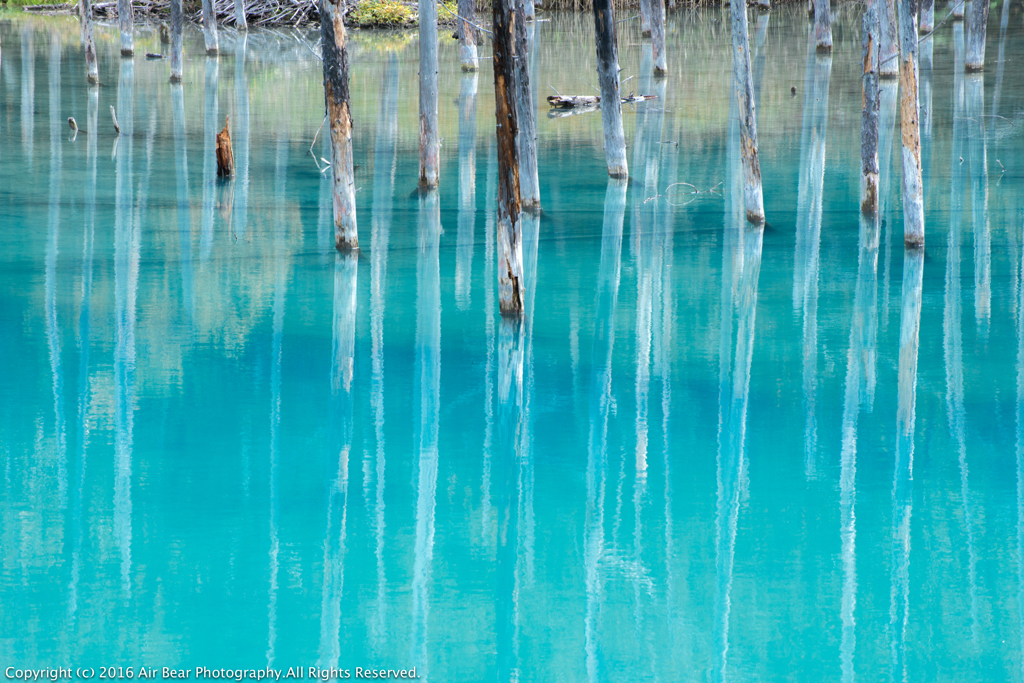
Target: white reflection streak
209	145
385	161
600	403
241	127
1020	459
428	390
183	210
978	154
887	95
489	370
902	487
530	222
28	96
126	271
467	191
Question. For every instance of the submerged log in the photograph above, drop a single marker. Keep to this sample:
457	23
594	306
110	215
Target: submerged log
744	91
177	28
430	143
869	110
210	28
126	24
510	247
608	77
910	131
336	92
225	157
974	59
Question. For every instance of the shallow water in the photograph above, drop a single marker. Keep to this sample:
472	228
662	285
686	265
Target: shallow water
710	452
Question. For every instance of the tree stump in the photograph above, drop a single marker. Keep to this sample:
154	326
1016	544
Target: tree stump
225	157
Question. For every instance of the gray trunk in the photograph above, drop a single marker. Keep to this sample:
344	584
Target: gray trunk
529	9
822	26
976	23
126	24
869	110
430	145
910	132
526	139
958	9
888	62
467	35
339	114
658	38
927	16
645	18
177	28
608	77
743	85
240	22
92	74
210	28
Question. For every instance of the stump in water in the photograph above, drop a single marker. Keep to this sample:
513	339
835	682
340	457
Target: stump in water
888	62
510	248
210	28
608	77
126	24
743	84
92	73
927	17
177	28
910	131
645	18
869	110
225	157
336	92
430	144
240	22
658	38
467	35
974	60
165	33
822	26
529	181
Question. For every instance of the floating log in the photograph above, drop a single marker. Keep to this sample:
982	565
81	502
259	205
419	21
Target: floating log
225	157
154	55
594	101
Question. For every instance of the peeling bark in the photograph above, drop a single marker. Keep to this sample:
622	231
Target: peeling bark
608	77
336	92
430	144
888	62
910	133
743	85
869	111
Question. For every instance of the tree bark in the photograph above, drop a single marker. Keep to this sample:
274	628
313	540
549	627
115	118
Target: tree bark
888	62
526	139
126	24
869	110
608	77
927	16
336	93
658	37
92	74
976	23
467	35
743	85
177	28
645	18
913	191
225	156
958	9
430	145
241	23
822	26
510	248
210	28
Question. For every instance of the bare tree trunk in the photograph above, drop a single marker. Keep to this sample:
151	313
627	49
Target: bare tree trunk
92	73
467	35
430	145
927	16
910	132
958	9
529	10
126	23
743	85
645	18
177	28
822	26
658	38
888	62
510	247
240	22
608	77
976	23
335	57
869	110
210	28
526	139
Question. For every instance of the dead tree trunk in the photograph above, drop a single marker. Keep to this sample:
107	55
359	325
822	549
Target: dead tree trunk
744	88
888	62
225	156
869	111
975	57
608	77
910	131
467	35
529	181
177	27
645	18
430	145
126	23
530	10
210	28
958	9
658	37
335	57
240	22
510	247
822	26
927	17
92	74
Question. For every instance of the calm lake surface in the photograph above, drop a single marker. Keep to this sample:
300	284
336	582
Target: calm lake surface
710	452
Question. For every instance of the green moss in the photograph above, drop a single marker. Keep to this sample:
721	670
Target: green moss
381	14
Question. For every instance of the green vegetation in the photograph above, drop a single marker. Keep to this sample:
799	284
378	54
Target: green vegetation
382	14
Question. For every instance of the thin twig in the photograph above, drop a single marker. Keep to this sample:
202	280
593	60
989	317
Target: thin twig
314	142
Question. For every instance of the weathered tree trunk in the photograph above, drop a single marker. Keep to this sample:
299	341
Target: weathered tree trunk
526	139
210	28
822	26
869	110
177	28
335	57
913	190
658	37
165	33
529	10
92	73
743	85
927	16
976	24
888	61
467	35
225	155
958	9
510	248
645	18
126	24
430	144
608	77
241	23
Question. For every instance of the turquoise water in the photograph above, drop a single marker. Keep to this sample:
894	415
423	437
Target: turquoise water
710	452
